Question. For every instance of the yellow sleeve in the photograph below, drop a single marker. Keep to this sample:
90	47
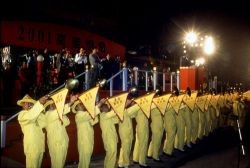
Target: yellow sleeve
132	111
109	115
41	120
83	116
97	110
94	121
26	117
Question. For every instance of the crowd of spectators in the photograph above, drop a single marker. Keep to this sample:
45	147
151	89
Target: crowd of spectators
35	69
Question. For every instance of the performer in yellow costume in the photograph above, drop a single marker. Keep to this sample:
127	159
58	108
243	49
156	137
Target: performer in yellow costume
208	120
141	141
32	121
218	115
184	124
202	122
157	133
108	119
213	118
189	126
238	110
85	133
181	124
188	121
56	132
195	124
126	134
170	128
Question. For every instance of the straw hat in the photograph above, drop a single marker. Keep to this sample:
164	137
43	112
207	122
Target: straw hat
74	106
49	102
25	99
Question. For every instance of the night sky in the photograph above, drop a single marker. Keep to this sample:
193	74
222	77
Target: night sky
159	24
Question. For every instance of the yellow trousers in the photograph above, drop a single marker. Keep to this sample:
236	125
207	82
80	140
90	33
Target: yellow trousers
57	138
208	121
85	138
188	128
180	134
202	121
109	137
213	118
170	128
157	133
195	124
34	160
141	141
126	136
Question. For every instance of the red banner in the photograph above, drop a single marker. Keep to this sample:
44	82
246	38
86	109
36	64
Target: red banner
55	37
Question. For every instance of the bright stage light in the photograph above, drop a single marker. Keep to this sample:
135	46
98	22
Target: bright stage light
191	37
200	61
209	46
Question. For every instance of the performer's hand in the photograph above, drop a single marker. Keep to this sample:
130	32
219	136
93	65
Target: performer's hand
129	102
73	98
43	99
101	102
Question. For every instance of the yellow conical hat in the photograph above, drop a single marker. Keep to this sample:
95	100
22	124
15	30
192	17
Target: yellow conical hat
25	99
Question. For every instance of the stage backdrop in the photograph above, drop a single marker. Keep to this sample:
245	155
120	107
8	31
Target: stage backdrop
55	37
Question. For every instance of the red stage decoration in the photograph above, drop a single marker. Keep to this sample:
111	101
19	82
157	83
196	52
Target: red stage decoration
56	37
192	77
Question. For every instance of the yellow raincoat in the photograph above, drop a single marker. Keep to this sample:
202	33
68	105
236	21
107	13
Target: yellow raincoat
109	136
157	132
195	123
126	135
141	141
85	137
181	124
208	121
57	136
202	122
238	110
213	118
32	122
170	128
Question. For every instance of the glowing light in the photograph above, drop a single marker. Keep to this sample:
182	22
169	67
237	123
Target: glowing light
191	37
200	61
209	46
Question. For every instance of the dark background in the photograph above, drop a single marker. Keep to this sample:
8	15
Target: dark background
154	27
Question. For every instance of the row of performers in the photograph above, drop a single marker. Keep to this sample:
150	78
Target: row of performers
184	117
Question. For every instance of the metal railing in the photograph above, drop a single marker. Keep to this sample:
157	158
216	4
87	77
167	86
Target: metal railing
4	122
153	79
124	76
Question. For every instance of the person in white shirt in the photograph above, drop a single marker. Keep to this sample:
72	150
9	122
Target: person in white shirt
80	61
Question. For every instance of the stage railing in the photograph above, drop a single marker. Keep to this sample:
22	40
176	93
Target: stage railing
151	80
